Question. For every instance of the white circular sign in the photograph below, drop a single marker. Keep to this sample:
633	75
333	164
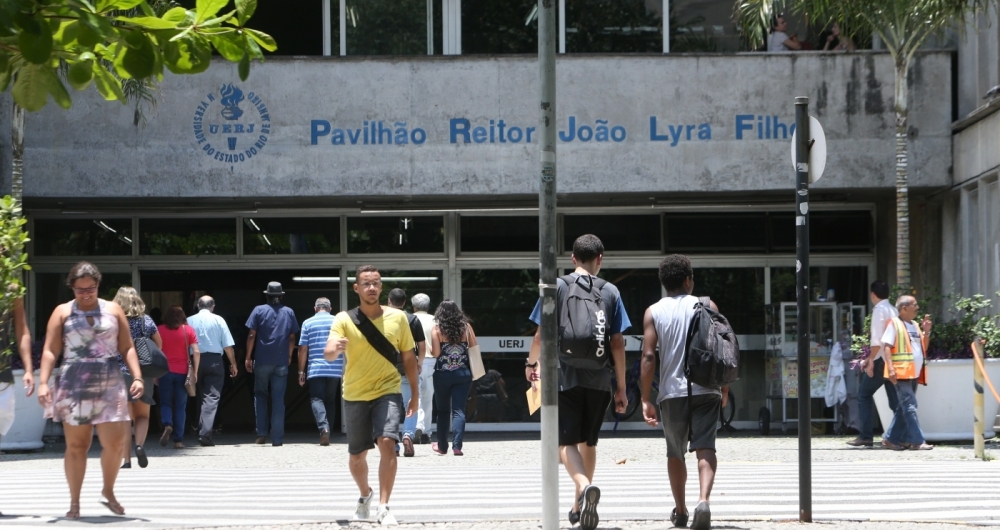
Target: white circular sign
817	154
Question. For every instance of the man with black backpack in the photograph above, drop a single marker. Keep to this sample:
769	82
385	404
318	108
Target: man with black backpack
377	345
591	320
687	410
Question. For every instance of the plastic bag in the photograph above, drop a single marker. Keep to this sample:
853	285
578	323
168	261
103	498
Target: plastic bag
6	407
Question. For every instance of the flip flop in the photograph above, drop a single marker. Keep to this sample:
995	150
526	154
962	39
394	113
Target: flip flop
115	508
74	511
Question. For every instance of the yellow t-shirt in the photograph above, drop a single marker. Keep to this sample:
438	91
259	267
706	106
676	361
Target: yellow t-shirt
367	374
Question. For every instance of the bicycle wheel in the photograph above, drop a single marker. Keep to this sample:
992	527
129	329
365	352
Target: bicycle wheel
727	413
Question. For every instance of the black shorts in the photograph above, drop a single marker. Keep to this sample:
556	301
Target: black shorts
705	410
581	414
367	421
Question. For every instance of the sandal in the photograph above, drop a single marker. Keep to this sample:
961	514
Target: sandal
74	511
115	508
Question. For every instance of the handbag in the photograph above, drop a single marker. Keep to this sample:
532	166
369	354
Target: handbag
189	385
151	358
476	362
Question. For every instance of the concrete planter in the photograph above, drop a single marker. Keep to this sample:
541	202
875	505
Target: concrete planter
29	425
944	406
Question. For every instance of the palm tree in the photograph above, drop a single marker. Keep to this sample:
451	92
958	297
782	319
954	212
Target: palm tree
903	26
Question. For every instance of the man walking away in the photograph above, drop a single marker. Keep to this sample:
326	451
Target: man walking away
903	347
685	419
214	338
585	380
421	309
873	366
323	376
373	405
397	300
270	344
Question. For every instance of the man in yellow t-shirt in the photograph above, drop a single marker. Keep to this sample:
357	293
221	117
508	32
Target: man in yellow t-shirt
373	404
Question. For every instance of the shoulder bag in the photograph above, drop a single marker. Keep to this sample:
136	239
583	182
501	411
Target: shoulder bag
475	357
376	339
151	357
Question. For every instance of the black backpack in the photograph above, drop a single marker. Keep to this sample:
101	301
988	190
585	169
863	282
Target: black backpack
711	353
583	323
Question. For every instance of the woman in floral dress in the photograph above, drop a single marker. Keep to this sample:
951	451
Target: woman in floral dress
89	392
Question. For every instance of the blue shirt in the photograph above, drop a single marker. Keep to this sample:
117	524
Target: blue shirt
273	324
315	332
570	376
213	332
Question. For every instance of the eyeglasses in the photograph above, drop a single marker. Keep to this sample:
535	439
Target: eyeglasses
369	285
85	290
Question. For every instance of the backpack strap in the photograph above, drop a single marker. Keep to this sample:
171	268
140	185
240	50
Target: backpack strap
374	336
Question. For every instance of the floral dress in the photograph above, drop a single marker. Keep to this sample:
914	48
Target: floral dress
90	388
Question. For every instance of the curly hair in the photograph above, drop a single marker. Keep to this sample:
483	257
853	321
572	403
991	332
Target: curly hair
131	303
674	269
451	321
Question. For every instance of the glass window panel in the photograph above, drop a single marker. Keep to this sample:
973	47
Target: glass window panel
640	288
387	27
715	232
702	26
828	231
499	302
264	235
614	26
187	237
83	237
849	284
429	282
499	26
297	31
51	290
739	293
499	234
617	232
380	235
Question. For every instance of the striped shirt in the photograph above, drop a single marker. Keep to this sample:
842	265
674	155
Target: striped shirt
315	332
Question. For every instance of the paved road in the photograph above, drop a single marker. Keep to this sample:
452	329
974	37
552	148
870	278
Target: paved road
245	485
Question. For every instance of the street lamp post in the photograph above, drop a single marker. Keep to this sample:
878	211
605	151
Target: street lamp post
802	169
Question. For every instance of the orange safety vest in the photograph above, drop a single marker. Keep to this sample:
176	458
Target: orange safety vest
902	354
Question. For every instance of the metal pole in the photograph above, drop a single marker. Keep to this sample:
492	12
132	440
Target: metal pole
978	412
547	264
327	33
802	146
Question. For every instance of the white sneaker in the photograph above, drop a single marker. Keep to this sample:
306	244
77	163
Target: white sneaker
363	511
385	518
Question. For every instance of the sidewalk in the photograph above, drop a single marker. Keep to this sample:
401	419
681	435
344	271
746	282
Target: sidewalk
629	525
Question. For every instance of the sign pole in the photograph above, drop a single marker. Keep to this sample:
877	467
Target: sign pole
802	147
547	264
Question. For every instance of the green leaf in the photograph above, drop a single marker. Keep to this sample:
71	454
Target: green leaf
207	9
148	22
81	74
190	54
35	42
86	36
33	86
108	85
244	67
245	9
4	79
65	34
121	5
139	59
229	46
263	39
218	20
177	15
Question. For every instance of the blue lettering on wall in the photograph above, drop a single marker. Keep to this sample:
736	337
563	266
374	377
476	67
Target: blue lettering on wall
767	127
675	133
600	132
460	130
239	125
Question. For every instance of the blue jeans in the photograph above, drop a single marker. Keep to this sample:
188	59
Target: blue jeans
173	403
867	389
324	397
451	391
275	377
905	427
409	424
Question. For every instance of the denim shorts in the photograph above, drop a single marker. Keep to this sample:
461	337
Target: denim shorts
367	421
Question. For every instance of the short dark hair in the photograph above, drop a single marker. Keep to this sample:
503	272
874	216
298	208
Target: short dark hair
397	297
587	248
84	269
174	317
880	289
363	269
674	269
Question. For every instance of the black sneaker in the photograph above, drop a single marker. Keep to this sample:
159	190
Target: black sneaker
205	442
424	439
588	507
702	517
574	518
679	520
140	454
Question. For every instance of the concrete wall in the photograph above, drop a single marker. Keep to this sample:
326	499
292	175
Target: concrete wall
976	150
978	60
698	102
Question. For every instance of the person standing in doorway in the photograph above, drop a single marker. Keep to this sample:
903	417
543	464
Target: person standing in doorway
585	383
373	339
397	300
322	376
686	420
873	366
270	343
214	338
421	305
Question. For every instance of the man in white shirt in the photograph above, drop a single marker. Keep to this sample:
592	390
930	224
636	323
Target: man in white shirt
214	338
873	366
780	41
421	307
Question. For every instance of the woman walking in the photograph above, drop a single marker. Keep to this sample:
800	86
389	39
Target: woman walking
90	392
139	325
180	345
451	338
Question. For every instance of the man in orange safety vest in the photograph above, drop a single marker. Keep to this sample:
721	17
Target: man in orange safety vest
904	345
